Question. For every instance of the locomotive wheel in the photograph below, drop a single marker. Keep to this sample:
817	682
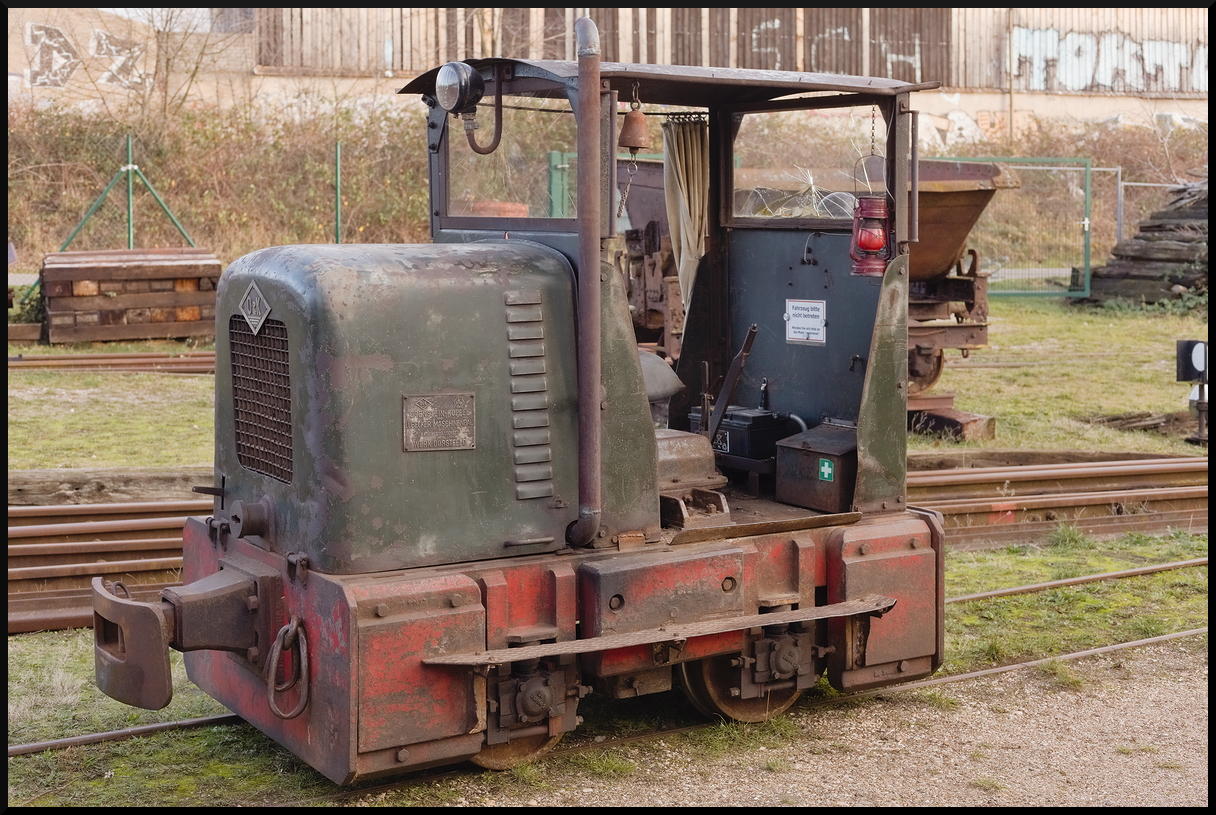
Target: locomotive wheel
707	684
922	380
515	752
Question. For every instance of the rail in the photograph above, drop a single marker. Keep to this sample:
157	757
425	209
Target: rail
187	362
55	551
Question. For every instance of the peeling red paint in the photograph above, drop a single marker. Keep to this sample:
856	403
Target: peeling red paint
1002	513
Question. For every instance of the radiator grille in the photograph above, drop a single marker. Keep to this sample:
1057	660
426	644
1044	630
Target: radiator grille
261	397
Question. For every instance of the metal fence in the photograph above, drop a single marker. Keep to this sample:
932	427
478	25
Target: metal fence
1136	201
86	189
1036	239
1046	237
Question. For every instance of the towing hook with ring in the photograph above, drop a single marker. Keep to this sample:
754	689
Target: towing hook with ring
289	636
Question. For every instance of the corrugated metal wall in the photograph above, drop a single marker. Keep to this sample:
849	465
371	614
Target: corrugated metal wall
911	44
832	41
766	39
1079	50
1086	50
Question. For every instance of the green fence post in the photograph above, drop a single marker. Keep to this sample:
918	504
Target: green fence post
130	170
130	194
163	206
337	192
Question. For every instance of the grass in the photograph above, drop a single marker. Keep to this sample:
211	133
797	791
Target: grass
61	420
602	763
1076	363
185	346
726	738
82	420
1034	626
51	691
988	784
937	699
1065	676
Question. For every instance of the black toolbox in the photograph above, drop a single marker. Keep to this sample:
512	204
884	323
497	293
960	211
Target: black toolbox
745	432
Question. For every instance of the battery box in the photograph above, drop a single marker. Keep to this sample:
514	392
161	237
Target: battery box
745	432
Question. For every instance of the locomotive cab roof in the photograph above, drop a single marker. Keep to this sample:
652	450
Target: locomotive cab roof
685	85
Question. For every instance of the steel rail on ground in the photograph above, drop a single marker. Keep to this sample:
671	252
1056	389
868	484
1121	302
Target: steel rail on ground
55	551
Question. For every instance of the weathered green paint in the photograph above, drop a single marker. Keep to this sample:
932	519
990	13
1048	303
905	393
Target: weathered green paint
629	468
375	331
370	325
882	435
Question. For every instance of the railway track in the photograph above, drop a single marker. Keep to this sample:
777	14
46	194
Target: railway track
186	362
232	719
998	506
430	776
55	551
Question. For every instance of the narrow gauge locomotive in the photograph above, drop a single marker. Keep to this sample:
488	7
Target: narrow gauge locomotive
444	512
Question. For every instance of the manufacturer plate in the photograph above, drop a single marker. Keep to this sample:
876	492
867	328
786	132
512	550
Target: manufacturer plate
439	421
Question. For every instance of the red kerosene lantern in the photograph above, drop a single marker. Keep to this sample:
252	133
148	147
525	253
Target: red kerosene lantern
870	248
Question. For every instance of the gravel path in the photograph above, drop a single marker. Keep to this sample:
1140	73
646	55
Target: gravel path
1122	729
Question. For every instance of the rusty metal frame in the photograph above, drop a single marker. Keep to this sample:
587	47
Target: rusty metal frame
870	604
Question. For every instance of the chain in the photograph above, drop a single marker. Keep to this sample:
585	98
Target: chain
634	105
873	115
633	169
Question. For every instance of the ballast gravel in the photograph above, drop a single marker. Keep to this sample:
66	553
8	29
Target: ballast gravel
1128	728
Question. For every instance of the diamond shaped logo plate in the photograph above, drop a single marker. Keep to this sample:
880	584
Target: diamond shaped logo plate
255	308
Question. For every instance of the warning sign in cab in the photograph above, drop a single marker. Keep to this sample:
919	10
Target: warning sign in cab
806	321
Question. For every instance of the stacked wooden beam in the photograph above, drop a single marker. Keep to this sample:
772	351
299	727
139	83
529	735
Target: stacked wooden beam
1168	257
130	294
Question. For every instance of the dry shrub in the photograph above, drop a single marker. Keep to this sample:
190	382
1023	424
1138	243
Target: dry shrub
235	180
242	178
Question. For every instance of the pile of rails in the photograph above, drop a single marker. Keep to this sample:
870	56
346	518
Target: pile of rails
1168	257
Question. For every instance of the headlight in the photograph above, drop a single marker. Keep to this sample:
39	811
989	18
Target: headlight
458	87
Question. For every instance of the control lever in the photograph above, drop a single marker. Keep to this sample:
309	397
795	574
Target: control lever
728	385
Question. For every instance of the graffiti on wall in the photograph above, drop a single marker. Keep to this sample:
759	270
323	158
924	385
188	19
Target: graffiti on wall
763	33
54	59
892	57
817	43
124	56
1044	59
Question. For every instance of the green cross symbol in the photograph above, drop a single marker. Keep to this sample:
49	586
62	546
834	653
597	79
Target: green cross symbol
826	470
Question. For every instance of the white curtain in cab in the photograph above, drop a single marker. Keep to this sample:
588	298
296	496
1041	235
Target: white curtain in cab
686	185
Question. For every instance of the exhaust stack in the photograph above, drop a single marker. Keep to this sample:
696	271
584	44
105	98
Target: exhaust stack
590	425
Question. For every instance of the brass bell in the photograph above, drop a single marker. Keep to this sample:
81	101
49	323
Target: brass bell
635	135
